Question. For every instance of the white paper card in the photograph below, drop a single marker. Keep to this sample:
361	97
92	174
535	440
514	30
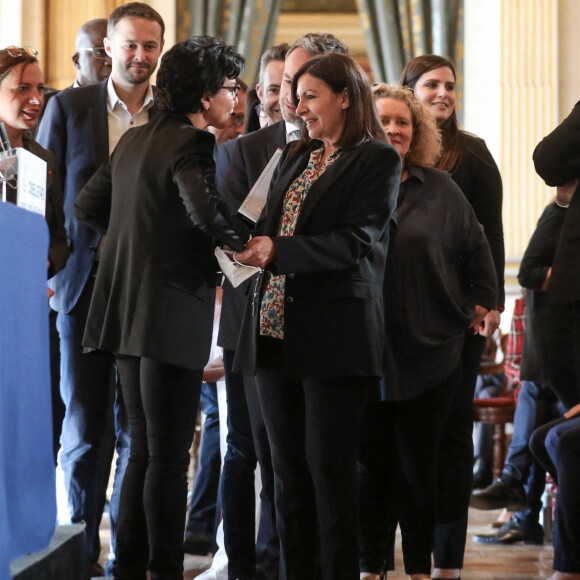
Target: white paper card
28	172
31	194
256	199
235	272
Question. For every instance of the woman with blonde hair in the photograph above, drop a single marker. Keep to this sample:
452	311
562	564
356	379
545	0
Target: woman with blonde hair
439	281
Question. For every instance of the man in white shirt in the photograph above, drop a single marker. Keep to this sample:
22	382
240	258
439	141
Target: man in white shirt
82	127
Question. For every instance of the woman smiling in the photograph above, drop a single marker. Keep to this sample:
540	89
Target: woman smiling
439	281
471	165
21	99
313	332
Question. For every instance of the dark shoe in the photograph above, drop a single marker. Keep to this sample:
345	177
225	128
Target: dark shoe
513	532
500	495
198	544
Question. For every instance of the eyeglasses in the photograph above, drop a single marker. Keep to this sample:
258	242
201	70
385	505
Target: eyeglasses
260	110
234	90
18	51
97	52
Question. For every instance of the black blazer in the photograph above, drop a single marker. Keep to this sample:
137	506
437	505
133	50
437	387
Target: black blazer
334	264
534	267
557	161
239	165
75	128
157	202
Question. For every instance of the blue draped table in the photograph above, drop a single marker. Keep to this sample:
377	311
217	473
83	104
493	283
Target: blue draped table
27	480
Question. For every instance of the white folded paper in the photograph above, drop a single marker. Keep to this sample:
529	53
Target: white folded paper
233	270
256	199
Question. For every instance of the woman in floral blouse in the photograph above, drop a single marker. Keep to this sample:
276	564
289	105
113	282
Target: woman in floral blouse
312	333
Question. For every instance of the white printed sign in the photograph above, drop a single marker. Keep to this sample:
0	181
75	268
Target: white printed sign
29	173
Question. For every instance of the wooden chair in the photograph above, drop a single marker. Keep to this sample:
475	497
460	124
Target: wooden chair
497	410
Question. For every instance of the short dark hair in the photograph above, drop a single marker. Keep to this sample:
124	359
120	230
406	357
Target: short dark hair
276	52
134	10
341	72
192	68
8	62
315	44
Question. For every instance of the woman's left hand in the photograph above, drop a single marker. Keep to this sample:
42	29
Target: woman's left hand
259	252
489	323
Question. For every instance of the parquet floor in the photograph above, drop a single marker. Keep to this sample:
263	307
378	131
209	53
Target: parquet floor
482	562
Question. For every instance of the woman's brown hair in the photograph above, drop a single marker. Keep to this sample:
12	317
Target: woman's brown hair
451	133
8	62
341	72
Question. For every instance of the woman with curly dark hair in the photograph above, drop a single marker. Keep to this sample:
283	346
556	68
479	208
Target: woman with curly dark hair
154	294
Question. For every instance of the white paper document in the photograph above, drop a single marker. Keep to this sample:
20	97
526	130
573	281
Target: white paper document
256	199
235	272
27	173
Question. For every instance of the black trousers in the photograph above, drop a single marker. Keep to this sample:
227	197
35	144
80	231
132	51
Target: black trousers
161	402
313	426
455	469
398	476
247	442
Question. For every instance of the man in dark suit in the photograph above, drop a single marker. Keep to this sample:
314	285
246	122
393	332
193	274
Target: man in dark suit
239	165
82	127
557	162
92	67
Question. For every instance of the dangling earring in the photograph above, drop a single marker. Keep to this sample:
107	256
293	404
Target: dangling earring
408	155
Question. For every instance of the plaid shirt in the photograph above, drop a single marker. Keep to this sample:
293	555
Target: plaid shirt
515	343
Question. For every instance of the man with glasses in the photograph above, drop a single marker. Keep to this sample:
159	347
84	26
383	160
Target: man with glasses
82	127
90	59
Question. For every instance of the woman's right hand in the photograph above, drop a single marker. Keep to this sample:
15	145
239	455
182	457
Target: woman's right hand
477	322
259	252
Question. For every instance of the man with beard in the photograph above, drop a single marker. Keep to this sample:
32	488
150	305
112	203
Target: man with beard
82	127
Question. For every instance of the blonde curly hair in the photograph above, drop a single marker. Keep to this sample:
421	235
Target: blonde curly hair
426	142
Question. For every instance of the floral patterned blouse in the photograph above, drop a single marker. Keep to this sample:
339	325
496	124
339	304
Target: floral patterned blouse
272	307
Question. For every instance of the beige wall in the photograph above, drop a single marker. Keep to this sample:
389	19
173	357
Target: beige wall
568	57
